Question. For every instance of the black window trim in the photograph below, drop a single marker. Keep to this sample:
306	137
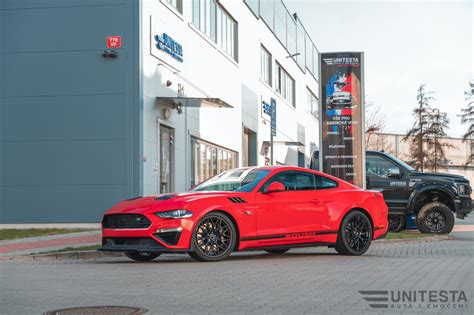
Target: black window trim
261	189
394	163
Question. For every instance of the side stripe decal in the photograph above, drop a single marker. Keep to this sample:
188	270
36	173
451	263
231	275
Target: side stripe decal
287	235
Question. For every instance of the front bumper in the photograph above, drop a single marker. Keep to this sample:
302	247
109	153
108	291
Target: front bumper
463	207
136	244
161	235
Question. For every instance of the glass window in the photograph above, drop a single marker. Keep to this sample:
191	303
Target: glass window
177	4
324	182
313	103
315	62
309	54
211	19
280	21
376	165
254	6
291	34
266	66
294	181
267	12
209	159
245	181
285	85
300	46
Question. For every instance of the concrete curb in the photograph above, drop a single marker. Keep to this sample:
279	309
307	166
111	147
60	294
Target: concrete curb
87	254
422	239
95	254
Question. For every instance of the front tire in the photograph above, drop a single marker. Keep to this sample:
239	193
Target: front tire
142	256
355	234
435	217
396	223
214	238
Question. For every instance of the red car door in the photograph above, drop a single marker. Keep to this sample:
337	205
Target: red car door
289	216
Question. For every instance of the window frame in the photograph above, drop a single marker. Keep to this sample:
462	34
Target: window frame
179	5
220	27
388	161
262	188
269	72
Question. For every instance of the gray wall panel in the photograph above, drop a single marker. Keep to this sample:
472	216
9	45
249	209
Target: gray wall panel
64	162
69	119
64	117
59	28
63	73
28	4
60	204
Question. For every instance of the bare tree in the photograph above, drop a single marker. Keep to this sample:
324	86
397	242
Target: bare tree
374	124
417	134
467	117
438	122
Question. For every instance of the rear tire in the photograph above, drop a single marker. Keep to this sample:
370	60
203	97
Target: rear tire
142	256
435	217
277	251
214	238
396	223
355	234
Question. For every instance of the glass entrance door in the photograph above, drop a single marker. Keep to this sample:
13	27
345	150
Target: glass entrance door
166	159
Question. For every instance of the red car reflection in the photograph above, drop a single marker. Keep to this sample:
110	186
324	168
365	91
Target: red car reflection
272	208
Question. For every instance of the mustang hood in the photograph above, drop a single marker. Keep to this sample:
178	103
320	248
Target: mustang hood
171	201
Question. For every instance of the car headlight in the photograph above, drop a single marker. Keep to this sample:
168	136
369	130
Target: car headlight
462	189
175	214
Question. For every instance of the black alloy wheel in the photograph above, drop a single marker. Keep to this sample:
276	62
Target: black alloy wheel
435	221
214	238
355	234
142	256
396	223
435	217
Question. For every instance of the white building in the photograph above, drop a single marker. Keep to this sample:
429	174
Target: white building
244	58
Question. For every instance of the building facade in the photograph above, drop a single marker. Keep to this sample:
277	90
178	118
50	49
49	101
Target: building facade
106	100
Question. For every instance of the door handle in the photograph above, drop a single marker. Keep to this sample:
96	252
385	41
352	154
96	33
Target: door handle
315	201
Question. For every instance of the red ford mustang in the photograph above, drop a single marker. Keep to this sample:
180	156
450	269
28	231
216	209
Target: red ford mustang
270	208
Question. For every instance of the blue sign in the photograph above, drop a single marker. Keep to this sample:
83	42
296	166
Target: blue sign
273	116
267	108
168	45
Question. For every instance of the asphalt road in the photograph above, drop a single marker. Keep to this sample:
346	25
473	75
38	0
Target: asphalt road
311	281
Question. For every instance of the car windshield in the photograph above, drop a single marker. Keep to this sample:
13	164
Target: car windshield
243	180
405	165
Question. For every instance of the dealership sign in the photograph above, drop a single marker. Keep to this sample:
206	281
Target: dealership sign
170	46
342	116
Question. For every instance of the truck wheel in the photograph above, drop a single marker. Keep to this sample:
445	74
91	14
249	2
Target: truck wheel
396	223
435	217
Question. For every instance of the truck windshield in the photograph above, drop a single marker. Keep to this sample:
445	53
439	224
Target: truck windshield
405	165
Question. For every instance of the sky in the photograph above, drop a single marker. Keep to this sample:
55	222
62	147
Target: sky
405	44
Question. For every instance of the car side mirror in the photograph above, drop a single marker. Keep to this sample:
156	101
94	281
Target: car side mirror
394	172
275	187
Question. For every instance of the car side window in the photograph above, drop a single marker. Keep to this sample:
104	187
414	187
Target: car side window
376	165
293	181
324	182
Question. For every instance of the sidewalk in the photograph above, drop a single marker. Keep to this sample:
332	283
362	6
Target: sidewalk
25	246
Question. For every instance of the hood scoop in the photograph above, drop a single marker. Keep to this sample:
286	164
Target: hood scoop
237	200
165	197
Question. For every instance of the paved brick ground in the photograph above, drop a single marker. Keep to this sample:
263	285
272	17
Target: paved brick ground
30	245
308	281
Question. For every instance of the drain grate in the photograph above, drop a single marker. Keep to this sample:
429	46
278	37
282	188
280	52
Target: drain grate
99	310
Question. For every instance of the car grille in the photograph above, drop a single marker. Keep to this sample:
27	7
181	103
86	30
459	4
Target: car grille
125	221
129	241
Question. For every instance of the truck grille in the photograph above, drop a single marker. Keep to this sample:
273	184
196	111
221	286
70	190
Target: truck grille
125	221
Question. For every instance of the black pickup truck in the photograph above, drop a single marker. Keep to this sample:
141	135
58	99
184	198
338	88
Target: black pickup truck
433	197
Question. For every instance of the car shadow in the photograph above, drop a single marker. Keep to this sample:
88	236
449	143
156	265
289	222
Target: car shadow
238	256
